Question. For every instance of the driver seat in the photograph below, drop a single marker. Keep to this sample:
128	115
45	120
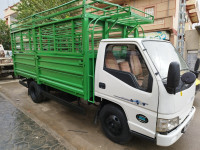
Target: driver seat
111	61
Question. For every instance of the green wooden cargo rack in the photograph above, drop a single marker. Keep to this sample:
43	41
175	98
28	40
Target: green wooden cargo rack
58	47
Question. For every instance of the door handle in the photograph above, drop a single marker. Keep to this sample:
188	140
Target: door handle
102	85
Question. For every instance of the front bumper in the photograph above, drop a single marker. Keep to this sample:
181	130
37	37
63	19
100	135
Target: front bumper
172	137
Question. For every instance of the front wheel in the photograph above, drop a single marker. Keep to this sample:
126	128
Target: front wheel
114	124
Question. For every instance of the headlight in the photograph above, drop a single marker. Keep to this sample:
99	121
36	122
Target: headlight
164	125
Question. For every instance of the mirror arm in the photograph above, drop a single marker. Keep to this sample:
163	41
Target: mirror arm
171	91
196	73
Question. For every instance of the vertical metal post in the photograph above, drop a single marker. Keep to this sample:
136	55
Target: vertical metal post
21	42
136	33
181	26
35	50
124	32
14	41
73	44
54	38
12	44
34	38
29	38
13	52
85	47
40	32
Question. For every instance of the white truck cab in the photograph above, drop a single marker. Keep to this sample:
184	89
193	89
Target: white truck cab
151	84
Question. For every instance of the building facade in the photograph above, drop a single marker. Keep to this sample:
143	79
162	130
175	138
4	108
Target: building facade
10	15
166	16
192	46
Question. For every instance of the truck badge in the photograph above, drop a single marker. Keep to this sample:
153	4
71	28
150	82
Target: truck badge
141	118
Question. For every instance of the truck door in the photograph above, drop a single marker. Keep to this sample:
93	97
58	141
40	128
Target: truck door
124	77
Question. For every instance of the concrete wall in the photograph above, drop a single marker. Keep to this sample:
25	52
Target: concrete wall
192	47
161	6
192	38
175	17
164	11
166	15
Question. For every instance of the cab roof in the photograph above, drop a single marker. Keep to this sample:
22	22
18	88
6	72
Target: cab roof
131	40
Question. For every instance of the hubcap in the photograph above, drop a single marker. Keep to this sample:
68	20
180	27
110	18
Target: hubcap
113	124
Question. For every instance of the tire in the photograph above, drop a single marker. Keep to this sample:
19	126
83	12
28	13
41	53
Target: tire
114	124
35	92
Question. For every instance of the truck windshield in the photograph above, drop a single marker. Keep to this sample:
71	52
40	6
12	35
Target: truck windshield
162	54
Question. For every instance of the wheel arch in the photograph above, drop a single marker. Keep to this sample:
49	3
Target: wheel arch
105	102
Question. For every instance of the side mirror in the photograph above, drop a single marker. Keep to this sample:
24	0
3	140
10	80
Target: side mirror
173	77
196	67
188	78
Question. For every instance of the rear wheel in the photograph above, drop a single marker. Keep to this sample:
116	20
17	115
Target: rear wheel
114	124
35	92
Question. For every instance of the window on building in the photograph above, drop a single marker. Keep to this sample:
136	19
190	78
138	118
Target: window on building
149	10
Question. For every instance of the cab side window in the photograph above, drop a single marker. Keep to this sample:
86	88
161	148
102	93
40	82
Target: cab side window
126	63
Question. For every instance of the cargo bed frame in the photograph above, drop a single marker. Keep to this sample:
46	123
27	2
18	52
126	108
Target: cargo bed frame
58	47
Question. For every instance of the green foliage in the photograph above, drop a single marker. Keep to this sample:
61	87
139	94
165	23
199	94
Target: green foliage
29	7
5	35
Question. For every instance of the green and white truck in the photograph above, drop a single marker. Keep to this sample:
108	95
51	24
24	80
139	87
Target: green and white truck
142	86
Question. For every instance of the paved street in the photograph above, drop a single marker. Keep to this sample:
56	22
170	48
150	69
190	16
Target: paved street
19	132
74	130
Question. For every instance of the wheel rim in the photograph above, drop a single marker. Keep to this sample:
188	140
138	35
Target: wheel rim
113	124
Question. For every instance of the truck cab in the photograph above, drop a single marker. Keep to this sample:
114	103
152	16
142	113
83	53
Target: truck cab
133	74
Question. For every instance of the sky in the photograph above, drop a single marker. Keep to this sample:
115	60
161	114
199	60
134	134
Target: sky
4	4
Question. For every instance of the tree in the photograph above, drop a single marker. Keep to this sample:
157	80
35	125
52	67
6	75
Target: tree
29	7
5	35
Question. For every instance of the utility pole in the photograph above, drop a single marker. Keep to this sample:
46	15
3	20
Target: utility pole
181	26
